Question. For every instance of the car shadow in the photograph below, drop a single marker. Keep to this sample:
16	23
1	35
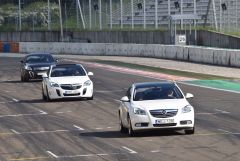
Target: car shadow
11	81
117	134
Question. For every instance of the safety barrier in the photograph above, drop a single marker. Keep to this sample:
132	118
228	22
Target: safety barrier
7	47
214	56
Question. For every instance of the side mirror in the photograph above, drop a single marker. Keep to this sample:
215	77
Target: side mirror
125	99
189	95
90	73
44	75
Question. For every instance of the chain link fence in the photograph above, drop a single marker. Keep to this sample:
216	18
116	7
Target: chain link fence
78	15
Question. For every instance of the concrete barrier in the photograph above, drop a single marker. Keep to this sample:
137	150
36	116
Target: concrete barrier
221	57
196	54
170	52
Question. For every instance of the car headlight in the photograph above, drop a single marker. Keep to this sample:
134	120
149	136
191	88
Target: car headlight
87	83
27	68
139	111
187	109
52	84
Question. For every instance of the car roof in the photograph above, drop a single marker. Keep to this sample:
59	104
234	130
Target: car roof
151	84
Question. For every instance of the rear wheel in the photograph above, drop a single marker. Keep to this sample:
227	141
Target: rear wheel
190	131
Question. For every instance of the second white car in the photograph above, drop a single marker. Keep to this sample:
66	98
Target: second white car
67	81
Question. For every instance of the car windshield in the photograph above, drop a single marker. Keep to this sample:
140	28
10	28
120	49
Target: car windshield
41	58
157	92
65	71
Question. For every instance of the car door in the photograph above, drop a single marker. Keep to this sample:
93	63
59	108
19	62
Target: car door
126	107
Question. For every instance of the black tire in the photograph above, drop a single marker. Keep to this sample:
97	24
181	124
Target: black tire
190	131
22	80
90	98
48	99
122	129
25	78
43	95
130	130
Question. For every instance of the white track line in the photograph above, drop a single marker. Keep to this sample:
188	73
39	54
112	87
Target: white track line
130	150
15	132
228	132
212	88
59	112
98	128
79	128
206	113
155	151
39	132
222	111
43	112
102	154
20	115
52	154
15	100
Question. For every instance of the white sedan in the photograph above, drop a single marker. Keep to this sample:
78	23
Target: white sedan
67	81
156	105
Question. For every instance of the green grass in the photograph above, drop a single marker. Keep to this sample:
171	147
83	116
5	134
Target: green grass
160	70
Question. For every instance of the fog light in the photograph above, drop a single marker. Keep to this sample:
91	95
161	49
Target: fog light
185	122
138	124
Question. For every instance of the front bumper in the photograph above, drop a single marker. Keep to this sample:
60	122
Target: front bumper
35	74
58	92
148	122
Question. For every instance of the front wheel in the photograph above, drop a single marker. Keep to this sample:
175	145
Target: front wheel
90	98
48	97
190	131
130	130
122	129
43	95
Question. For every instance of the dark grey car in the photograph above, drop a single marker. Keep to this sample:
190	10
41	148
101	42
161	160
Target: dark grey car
34	65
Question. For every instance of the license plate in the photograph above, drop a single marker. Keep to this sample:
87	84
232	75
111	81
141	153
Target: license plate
164	121
70	92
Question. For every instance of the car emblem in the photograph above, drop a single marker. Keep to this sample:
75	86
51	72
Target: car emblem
164	112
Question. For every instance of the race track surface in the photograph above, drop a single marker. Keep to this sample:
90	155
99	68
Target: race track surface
79	130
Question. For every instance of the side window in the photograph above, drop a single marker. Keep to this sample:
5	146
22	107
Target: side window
129	91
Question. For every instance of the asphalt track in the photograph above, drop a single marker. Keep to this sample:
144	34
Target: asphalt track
78	130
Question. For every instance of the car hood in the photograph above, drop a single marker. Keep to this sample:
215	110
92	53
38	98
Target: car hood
161	104
69	80
39	64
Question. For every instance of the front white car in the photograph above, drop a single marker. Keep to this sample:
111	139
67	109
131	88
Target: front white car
63	82
163	113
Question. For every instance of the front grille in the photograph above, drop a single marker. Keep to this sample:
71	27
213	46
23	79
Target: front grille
70	86
164	125
164	113
75	94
